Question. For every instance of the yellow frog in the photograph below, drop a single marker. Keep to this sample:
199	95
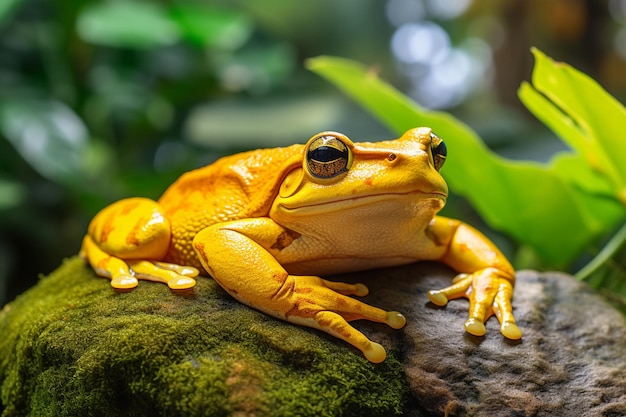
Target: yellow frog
266	224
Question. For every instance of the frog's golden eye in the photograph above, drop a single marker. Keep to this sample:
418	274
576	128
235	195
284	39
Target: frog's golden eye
438	150
328	156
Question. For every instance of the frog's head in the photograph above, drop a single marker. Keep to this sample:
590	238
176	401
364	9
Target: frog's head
340	176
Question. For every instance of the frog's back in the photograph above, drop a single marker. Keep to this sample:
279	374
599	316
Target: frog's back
234	187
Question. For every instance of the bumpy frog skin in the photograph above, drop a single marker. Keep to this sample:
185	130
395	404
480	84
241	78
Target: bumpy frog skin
267	224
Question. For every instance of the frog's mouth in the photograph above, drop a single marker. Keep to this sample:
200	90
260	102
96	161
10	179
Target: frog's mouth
410	198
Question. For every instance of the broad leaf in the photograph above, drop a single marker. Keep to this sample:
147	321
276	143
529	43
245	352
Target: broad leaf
583	114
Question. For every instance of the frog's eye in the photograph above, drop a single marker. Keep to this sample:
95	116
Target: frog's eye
438	150
328	156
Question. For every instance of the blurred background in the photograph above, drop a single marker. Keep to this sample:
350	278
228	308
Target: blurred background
101	100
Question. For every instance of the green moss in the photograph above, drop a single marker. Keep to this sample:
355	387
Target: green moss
72	345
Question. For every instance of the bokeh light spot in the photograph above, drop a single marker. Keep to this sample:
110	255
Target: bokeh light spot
424	42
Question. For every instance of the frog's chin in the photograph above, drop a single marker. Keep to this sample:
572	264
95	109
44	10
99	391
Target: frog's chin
408	199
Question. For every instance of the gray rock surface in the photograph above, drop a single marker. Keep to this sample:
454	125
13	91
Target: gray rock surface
571	360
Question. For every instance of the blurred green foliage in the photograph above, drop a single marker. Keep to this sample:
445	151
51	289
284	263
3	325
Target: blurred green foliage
102	99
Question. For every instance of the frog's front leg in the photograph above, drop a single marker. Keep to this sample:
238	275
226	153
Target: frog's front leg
486	277
240	255
126	241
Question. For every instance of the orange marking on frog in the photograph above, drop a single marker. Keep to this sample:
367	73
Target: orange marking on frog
132	237
107	228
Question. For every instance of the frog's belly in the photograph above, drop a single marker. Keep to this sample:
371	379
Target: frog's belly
341	265
357	251
391	233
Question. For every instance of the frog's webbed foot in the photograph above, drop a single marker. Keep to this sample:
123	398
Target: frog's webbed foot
326	305
489	293
124	274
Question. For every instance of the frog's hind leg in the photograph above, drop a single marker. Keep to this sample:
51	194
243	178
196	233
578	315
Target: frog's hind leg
126	242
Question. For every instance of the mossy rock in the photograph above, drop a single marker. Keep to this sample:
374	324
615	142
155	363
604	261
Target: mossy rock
73	346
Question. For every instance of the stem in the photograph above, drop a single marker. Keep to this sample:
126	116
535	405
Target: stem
605	254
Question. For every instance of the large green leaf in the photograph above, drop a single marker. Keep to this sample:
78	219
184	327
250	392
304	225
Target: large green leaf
583	114
535	204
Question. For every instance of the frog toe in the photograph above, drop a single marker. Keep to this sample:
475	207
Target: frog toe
460	288
181	283
475	327
375	353
437	298
510	330
124	282
395	320
361	290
